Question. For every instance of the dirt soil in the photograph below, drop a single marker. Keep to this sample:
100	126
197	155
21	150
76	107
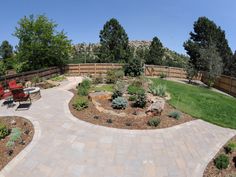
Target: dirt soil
92	115
27	130
212	171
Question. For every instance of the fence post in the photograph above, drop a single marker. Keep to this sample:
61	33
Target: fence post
95	69
79	69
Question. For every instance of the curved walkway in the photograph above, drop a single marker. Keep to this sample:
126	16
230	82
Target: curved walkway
64	146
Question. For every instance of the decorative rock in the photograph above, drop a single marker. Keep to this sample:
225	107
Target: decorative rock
13	122
28	84
156	108
100	95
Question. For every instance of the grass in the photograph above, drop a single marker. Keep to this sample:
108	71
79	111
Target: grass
58	78
107	87
202	103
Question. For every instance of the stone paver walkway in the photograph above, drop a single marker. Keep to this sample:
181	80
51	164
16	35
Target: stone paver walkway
64	146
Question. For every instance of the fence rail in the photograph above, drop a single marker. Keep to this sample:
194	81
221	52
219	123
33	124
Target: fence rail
26	76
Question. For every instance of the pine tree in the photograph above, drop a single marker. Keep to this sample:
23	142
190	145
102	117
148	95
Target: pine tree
156	52
6	50
205	32
114	43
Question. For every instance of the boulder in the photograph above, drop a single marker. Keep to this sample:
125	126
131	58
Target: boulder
156	108
100	95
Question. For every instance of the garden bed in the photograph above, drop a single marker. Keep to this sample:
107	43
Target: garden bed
230	171
131	121
27	132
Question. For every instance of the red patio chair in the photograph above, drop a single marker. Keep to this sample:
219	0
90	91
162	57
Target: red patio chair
3	94
13	85
20	96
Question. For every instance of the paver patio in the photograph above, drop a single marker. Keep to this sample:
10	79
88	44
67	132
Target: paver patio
64	146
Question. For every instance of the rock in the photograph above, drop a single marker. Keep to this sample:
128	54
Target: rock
156	108
151	98
100	95
28	84
13	122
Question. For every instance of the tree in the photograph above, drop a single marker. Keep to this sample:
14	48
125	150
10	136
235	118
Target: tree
205	32
6	50
213	62
114	43
133	67
40	45
156	52
2	68
233	65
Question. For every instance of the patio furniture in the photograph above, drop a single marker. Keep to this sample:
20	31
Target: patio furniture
20	96
34	93
7	96
13	85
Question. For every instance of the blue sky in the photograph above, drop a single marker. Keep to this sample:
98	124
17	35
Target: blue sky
170	20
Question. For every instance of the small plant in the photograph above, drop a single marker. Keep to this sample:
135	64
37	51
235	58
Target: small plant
132	90
154	122
98	79
128	124
80	103
119	103
175	115
3	131
83	87
221	162
109	121
132	97
111	77
58	78
231	147
36	80
141	100
119	89
162	75
14	137
158	90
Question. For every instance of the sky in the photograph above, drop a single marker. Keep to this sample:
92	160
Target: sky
169	20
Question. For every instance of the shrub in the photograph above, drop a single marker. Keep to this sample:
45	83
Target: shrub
119	89
80	103
114	75
98	80
141	100
83	87
231	147
175	115
58	78
158	90
163	75
132	97
3	131
14	137
109	121
119	73
132	90
119	103
36	79
221	162
154	122
133	67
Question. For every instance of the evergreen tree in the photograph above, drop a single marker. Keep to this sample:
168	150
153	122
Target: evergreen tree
114	43
6	50
40	45
233	65
205	32
156	52
213	63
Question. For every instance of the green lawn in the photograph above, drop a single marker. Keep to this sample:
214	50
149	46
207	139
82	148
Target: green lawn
202	103
107	87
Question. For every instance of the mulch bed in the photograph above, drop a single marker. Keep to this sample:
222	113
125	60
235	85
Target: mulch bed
27	130
212	171
127	122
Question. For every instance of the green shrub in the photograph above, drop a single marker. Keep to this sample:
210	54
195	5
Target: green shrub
154	122
163	75
80	103
221	162
175	115
133	67
114	75
83	87
141	100
14	137
36	79
3	131
158	90
2	68
98	80
132	90
132	97
58	78
119	103
119	74
119	89
231	147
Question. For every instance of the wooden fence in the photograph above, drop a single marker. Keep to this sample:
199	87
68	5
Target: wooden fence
26	76
91	68
225	83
